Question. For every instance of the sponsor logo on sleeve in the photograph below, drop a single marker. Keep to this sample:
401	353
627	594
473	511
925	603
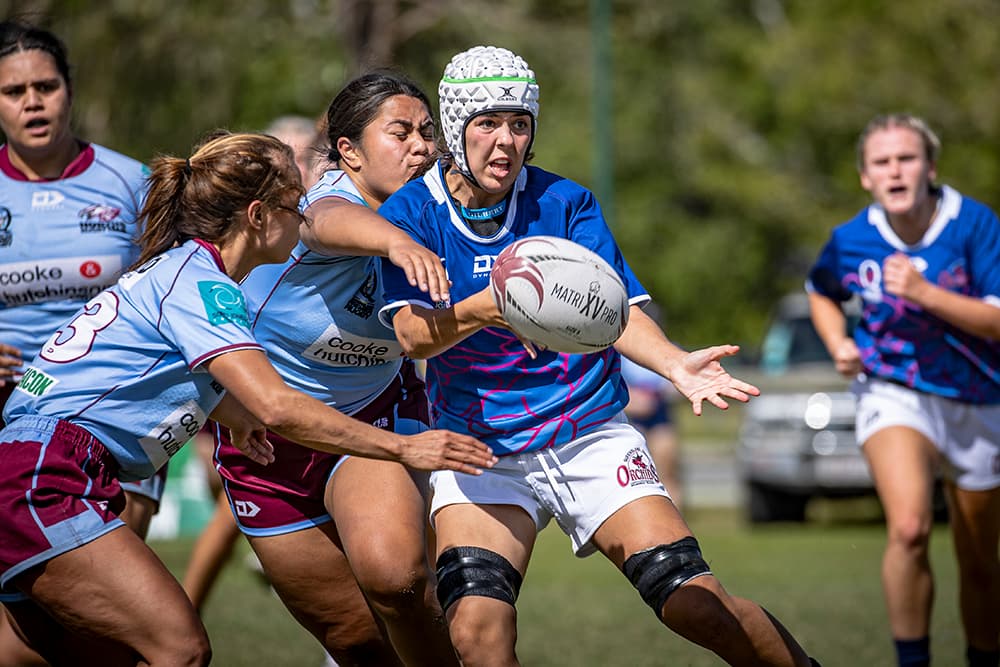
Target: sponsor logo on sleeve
224	303
170	435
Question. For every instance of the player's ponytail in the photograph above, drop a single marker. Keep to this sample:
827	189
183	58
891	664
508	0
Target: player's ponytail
161	212
202	196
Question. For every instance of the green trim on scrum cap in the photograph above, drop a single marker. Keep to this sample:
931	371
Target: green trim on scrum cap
481	79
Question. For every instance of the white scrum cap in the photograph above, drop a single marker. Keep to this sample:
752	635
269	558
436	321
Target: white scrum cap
484	78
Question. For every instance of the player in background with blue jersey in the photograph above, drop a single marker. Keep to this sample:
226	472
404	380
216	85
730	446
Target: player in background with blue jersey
555	420
115	392
335	534
925	261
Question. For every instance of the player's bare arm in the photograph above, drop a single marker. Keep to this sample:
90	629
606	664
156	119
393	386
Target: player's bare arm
698	375
340	227
424	332
252	381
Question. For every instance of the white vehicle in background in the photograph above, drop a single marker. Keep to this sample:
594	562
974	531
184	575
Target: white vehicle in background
797	438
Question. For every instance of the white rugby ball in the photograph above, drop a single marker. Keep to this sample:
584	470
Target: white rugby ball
560	295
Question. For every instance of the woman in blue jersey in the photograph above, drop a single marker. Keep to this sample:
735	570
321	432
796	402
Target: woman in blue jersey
117	390
326	524
925	261
555	420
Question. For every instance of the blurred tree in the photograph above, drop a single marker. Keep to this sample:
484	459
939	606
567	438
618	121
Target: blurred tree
734	121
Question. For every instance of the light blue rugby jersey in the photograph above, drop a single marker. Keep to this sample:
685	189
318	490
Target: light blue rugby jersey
487	385
898	340
317	317
63	241
128	368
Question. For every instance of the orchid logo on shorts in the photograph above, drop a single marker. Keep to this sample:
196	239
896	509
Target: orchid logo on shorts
637	469
224	303
35	382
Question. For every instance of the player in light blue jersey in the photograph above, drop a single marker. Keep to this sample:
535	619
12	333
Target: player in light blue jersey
555	420
117	390
925	262
68	212
324	525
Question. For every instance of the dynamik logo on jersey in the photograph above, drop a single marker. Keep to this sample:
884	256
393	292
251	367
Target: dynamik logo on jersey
637	469
35	382
170	435
341	348
46	199
482	264
224	303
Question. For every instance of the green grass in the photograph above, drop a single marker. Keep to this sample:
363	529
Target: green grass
820	579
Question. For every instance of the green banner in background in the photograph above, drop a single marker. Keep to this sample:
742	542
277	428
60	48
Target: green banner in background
187	503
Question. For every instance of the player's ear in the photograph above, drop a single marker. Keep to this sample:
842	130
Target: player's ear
255	214
348	152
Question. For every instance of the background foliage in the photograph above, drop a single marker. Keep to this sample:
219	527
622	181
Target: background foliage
734	120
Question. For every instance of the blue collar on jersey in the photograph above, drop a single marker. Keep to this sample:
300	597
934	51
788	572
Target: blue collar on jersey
488	213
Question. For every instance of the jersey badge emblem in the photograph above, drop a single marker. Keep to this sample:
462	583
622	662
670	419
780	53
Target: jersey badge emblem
5	235
224	304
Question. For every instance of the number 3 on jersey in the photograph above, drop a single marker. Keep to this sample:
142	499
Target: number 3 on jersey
76	339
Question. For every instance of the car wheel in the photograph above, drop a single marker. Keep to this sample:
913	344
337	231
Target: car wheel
766	504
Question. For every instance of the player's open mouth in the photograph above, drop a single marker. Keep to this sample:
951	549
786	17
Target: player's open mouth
500	166
37	125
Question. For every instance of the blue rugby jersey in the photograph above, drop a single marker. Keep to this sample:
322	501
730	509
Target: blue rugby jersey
898	340
63	241
129	366
317	317
487	385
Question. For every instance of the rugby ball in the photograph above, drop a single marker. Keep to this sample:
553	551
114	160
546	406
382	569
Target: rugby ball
559	295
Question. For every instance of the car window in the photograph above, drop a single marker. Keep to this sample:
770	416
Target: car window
792	341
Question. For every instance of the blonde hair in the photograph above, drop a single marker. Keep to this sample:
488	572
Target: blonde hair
932	145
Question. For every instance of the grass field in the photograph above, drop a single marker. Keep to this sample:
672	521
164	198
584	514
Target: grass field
820	579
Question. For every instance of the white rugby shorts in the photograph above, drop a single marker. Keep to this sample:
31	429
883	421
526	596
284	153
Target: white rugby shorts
967	435
580	483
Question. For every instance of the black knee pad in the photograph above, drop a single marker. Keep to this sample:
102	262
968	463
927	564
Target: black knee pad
463	571
659	571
